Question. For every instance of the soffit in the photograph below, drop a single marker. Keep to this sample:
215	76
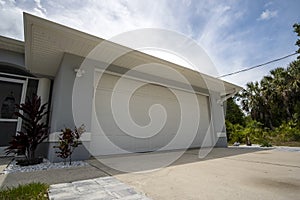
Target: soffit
46	42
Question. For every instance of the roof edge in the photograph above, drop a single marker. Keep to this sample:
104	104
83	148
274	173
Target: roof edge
30	20
11	44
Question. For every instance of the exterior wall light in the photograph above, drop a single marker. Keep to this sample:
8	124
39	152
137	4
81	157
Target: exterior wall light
79	72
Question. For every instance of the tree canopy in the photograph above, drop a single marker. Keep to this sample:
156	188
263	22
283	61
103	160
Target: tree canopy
297	30
234	114
272	106
276	98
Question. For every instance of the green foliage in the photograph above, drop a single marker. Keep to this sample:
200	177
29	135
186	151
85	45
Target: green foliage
26	192
272	106
34	131
234	132
297	30
252	132
266	143
234	119
234	114
255	133
287	132
68	141
276	98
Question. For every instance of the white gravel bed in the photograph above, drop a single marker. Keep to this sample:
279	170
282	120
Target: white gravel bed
277	148
13	168
253	146
289	149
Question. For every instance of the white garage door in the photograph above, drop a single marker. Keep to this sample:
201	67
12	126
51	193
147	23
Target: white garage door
111	137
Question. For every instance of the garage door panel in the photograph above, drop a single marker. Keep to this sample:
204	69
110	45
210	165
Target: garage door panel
198	139
101	145
140	110
204	111
140	103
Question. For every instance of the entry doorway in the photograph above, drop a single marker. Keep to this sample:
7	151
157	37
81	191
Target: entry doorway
12	92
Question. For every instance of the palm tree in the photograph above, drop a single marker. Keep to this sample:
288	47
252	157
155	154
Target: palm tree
251	100
267	98
280	81
294	85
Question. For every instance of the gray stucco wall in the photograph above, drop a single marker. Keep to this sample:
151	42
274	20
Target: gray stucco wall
61	106
61	109
218	119
80	153
12	58
221	142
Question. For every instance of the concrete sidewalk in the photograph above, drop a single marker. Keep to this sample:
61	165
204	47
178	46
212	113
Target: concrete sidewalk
52	176
4	161
100	188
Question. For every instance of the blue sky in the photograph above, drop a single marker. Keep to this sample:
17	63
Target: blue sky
235	34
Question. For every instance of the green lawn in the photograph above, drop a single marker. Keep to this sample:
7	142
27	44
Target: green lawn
25	192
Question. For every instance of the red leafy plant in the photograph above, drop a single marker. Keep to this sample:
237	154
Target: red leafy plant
34	130
68	141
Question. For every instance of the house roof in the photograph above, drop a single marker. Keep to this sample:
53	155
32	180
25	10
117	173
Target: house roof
11	44
46	42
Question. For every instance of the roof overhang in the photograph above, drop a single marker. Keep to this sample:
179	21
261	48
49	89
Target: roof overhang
10	44
46	42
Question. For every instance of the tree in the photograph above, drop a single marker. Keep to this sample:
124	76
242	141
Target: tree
272	103
276	98
233	112
251	101
296	27
34	130
294	86
234	119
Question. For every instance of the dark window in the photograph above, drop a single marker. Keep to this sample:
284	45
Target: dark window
31	88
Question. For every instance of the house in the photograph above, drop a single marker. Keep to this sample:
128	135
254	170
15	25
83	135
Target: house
52	63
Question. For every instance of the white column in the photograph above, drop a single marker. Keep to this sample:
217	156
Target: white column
44	89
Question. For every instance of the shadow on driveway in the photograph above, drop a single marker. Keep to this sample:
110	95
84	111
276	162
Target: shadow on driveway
136	162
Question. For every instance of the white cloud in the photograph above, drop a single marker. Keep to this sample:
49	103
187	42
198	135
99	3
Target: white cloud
39	6
268	14
114	17
11	15
219	42
218	27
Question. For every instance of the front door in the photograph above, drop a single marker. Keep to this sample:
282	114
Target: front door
12	92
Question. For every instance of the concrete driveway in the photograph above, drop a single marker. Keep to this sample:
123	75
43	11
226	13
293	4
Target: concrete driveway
226	173
223	174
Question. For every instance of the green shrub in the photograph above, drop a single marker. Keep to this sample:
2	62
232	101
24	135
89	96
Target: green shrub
34	130
296	135
255	132
287	132
234	133
265	143
68	141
